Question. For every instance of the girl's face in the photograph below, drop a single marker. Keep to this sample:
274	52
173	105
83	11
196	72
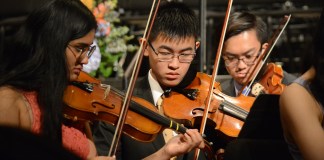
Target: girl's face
78	52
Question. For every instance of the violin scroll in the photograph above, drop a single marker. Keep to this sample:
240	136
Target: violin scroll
271	82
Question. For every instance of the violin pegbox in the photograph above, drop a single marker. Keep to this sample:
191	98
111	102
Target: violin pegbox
257	89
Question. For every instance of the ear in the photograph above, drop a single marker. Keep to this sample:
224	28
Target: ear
264	46
197	45
143	40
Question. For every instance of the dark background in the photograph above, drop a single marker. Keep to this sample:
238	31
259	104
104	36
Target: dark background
293	44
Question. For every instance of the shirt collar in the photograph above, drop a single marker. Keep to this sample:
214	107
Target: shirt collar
156	89
237	87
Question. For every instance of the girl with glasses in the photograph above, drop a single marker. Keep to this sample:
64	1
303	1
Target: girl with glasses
47	53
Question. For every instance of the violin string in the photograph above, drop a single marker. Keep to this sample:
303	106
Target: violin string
232	109
156	117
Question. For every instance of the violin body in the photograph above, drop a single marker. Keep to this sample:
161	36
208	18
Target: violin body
180	108
104	104
271	81
96	101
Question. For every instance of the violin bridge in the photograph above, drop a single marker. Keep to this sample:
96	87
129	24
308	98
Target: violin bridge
107	90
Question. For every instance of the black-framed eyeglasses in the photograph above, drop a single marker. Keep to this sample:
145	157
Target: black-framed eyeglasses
167	56
82	52
249	60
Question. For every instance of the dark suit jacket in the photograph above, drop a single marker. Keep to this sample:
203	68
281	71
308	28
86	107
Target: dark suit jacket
129	149
228	84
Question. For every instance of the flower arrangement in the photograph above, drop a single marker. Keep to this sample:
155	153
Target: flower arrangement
111	38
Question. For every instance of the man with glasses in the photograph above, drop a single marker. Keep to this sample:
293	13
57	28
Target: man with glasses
245	39
171	48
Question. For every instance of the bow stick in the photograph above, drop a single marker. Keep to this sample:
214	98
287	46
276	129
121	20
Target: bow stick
124	109
215	70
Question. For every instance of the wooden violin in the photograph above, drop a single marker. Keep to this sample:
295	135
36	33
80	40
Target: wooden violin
227	114
271	81
89	100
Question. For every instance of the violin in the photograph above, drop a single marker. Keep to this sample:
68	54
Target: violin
271	81
89	100
226	115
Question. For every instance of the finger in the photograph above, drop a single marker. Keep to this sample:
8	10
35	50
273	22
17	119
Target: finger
201	145
195	135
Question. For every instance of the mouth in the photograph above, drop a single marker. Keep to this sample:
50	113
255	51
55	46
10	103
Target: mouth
172	76
77	70
241	75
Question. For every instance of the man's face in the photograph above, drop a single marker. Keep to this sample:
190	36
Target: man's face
240	53
170	73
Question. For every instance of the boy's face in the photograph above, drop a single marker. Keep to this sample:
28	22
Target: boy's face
170	73
240	52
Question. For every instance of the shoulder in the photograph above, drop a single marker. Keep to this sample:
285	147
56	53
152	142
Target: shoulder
295	94
142	81
13	109
9	98
296	102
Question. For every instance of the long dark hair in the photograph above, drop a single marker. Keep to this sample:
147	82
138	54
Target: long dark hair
316	59
36	60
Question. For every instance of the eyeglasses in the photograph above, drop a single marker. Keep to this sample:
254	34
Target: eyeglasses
247	59
233	61
82	52
167	56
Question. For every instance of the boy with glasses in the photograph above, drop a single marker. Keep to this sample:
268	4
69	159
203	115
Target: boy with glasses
170	49
245	39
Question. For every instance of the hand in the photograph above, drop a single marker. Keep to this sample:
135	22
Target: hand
184	143
93	153
180	144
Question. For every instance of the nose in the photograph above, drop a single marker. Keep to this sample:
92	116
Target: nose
174	63
84	60
241	63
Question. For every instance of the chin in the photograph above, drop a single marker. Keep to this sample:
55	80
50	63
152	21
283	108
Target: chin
73	77
240	81
171	84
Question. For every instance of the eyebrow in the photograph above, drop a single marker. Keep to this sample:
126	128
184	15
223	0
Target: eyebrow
82	44
171	50
244	53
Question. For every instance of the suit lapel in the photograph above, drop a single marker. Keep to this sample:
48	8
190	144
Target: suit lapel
228	87
143	90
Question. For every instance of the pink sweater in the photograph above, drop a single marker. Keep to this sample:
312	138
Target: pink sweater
73	140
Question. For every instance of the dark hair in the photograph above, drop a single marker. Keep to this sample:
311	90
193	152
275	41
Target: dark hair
243	21
317	60
36	60
174	20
